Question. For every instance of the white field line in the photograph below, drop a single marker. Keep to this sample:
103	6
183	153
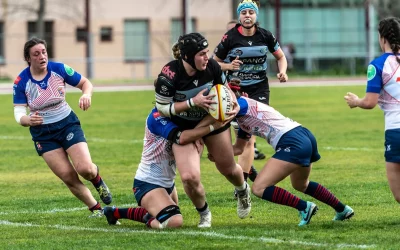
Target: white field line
210	234
57	210
108	141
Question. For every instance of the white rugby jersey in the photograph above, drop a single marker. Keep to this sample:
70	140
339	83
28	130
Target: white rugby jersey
157	165
262	120
384	78
48	95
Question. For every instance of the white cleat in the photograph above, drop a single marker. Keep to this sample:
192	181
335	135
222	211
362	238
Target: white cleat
244	202
205	220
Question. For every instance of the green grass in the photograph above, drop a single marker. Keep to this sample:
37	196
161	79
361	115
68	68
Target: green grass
38	211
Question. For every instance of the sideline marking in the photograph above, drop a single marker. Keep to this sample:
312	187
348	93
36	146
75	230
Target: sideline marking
210	234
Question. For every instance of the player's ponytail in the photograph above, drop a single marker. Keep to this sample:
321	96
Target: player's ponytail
389	28
176	53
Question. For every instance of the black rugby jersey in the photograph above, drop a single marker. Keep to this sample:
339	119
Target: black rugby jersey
175	85
252	51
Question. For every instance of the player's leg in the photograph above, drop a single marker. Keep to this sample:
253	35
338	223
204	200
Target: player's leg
58	162
219	145
187	160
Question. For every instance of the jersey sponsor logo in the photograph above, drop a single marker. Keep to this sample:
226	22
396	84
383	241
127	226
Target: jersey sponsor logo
246	76
17	80
195	82
250	43
166	71
163	122
251	68
38	146
164	90
262	98
263	50
238	52
224	38
70	71
371	73
254	60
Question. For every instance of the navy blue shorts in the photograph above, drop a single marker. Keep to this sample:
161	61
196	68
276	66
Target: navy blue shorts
297	146
392	145
61	134
140	188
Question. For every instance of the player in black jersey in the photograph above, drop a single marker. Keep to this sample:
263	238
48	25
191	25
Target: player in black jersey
243	53
181	90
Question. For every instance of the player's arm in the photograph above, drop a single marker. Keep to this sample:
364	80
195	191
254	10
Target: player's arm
374	86
369	101
241	141
206	126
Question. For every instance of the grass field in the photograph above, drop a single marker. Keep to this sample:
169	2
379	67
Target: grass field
38	212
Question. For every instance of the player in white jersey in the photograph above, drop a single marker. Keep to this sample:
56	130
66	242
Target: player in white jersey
383	88
295	151
55	129
153	185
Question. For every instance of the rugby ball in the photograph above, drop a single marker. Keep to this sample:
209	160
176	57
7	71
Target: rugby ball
224	102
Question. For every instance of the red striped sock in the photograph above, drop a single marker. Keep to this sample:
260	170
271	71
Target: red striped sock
132	213
95	207
320	193
281	196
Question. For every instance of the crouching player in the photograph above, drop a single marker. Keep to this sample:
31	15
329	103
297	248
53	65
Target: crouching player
153	185
295	151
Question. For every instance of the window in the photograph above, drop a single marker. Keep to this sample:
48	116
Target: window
136	40
1	42
48	35
177	29
80	34
106	34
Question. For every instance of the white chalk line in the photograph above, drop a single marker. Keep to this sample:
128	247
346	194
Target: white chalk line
108	141
210	234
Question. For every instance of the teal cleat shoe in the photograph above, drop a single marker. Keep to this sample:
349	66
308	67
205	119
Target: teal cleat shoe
347	213
308	213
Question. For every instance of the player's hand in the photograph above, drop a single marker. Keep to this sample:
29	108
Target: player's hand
235	64
35	119
203	101
85	101
282	77
218	125
232	114
351	99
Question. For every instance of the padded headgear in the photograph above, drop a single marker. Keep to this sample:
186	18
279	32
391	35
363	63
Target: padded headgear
246	4
189	45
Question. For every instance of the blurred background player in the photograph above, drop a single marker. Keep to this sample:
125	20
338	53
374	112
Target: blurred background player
242	52
180	94
154	186
383	88
55	129
295	151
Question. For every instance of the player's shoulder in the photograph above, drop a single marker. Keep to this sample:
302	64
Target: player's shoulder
22	77
380	61
170	70
265	32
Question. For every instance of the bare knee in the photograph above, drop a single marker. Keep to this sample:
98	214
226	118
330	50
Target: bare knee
257	189
227	170
175	221
300	186
190	179
86	169
397	197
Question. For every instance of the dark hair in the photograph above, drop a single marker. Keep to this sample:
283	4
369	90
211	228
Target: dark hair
29	44
389	28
